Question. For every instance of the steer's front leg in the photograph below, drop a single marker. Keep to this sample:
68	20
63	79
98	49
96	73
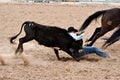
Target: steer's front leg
57	53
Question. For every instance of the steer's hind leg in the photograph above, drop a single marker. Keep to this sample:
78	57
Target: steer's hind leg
29	36
21	41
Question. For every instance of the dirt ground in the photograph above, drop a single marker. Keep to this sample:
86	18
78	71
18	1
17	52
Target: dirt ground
43	64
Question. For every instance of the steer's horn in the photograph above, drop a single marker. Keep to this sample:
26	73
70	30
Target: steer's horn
80	32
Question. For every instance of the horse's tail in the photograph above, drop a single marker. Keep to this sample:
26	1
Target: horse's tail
90	18
14	37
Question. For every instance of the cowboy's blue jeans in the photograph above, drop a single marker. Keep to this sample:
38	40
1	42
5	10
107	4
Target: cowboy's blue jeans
92	49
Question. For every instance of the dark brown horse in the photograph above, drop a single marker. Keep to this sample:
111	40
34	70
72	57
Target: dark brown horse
110	20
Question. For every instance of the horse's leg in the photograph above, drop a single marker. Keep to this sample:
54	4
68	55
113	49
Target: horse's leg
57	54
99	34
114	37
94	39
21	41
97	30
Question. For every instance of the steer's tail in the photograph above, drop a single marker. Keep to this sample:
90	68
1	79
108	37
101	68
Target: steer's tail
91	18
14	37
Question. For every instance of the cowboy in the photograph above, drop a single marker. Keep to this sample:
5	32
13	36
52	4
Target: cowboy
85	49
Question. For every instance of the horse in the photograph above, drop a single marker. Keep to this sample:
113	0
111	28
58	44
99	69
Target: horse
110	19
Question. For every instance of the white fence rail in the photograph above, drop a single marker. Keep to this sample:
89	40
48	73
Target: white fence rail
48	1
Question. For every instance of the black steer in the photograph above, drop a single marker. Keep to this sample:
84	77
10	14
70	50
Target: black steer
49	36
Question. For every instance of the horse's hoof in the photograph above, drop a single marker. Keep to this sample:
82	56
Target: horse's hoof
87	45
87	40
